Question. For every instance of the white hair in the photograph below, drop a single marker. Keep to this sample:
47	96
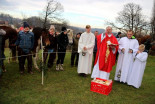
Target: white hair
52	27
108	27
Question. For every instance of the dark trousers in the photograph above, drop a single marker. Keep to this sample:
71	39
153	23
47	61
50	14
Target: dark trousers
94	53
73	56
51	59
2	56
22	57
117	56
13	51
61	56
2	64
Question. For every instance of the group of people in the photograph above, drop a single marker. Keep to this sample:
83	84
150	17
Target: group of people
131	59
25	44
57	43
104	47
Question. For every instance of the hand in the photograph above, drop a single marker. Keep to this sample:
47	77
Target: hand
123	50
112	47
138	52
13	45
84	48
130	51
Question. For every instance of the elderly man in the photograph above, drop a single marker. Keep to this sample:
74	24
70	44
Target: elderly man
127	47
107	47
25	43
85	50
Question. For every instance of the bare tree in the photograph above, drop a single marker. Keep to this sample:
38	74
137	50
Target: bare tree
52	12
34	21
130	18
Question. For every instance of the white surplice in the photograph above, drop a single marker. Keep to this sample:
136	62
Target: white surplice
137	71
96	72
125	60
85	62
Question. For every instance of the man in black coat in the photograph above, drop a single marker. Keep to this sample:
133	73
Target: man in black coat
62	40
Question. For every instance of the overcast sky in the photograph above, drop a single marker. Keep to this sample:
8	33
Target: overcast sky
77	12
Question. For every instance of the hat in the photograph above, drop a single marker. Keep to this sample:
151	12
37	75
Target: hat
63	29
25	24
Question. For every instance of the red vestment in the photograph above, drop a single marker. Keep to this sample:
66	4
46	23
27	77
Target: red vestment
104	53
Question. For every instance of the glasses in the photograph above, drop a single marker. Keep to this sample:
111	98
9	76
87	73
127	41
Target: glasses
129	34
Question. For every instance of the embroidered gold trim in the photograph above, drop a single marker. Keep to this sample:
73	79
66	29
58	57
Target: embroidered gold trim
107	53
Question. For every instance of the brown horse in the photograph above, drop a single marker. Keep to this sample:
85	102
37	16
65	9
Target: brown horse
11	35
38	32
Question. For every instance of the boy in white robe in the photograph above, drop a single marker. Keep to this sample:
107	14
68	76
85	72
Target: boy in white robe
127	47
85	50
137	71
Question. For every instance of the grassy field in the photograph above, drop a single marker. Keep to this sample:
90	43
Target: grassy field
66	87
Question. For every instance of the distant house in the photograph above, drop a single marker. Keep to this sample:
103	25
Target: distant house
4	23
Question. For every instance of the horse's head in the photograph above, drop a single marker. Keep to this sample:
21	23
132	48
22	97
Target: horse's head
11	34
45	36
44	32
70	35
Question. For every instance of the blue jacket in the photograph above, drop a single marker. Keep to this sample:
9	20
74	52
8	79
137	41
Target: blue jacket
25	41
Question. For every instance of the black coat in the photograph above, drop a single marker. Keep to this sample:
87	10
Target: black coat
63	41
2	44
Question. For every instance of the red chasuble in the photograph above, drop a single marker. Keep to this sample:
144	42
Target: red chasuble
104	53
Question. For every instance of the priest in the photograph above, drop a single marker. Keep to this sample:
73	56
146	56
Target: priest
128	46
85	50
107	47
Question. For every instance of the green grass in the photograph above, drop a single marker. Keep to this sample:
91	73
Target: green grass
66	87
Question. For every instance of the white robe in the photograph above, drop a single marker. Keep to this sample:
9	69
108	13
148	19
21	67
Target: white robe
125	60
137	71
85	62
96	72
